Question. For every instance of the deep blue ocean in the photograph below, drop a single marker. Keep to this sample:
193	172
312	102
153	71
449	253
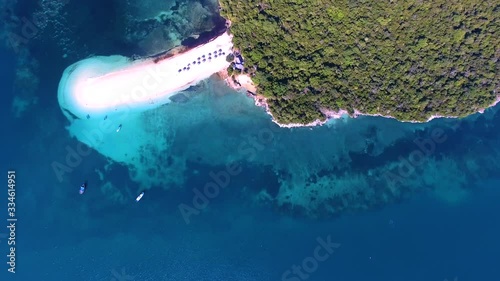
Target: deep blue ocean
336	202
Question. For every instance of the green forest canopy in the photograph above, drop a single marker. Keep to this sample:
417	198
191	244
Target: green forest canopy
408	59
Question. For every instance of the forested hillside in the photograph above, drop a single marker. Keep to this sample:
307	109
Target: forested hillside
408	59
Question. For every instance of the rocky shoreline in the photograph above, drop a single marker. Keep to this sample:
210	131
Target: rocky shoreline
243	81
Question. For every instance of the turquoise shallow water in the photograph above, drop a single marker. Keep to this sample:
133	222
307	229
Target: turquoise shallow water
424	233
397	201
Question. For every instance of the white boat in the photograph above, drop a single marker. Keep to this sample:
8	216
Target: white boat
139	197
83	187
119	128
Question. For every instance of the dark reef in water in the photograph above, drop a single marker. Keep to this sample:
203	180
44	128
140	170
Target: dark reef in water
205	37
191	42
179	98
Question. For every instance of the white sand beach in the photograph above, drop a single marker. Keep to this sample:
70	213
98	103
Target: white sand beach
99	86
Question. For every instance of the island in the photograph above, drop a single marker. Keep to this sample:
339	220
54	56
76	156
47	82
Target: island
308	61
414	61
